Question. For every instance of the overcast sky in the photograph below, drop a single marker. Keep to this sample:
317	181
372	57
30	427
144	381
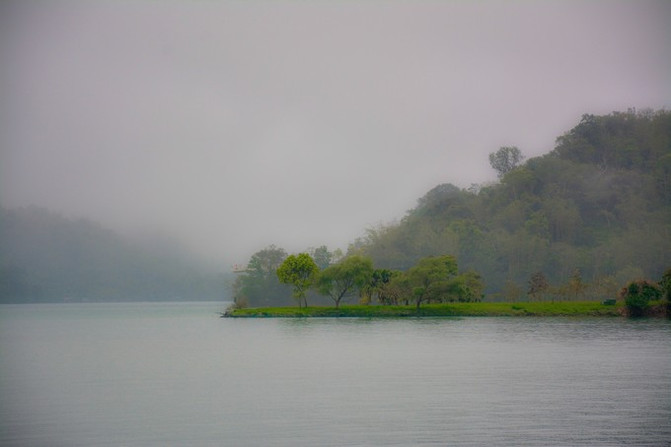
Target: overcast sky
235	125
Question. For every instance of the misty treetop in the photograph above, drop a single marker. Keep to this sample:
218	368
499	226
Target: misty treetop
505	159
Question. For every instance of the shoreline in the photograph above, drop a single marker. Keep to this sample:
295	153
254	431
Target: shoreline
486	309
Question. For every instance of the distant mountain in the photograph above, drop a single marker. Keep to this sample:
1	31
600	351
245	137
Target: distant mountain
45	257
598	207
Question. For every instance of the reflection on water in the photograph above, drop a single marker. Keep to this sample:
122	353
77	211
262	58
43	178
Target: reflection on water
175	374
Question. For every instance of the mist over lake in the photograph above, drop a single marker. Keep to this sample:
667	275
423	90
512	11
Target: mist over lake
156	374
218	122
158	155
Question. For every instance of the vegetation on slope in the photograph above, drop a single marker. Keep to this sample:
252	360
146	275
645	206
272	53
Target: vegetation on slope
577	223
596	210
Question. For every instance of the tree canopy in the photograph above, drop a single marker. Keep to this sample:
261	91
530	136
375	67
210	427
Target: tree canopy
345	278
505	159
259	285
599	203
430	278
299	271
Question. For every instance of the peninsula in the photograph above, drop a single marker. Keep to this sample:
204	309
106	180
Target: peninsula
473	309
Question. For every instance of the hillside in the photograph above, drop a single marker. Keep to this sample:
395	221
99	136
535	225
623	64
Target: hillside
595	211
45	257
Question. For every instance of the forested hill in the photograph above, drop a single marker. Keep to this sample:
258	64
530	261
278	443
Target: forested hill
45	257
597	210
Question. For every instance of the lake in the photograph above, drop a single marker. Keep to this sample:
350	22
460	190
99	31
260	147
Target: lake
157	374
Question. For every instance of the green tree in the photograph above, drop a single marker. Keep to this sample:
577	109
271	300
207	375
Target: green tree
345	278
665	285
258	285
399	288
637	296
299	271
505	159
465	287
379	285
475	286
266	261
429	279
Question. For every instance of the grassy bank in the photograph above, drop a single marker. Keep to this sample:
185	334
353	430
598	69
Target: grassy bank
578	308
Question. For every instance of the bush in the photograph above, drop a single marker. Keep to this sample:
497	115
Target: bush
637	296
665	284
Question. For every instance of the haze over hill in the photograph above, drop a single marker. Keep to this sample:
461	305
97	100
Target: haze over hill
234	125
577	223
45	257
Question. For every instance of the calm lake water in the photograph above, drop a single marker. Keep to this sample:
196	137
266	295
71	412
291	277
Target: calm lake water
176	374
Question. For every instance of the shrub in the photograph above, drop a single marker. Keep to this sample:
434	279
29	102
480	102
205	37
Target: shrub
637	296
665	284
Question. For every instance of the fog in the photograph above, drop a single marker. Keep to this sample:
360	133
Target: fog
234	125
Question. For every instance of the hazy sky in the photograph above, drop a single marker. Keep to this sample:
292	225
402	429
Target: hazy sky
240	124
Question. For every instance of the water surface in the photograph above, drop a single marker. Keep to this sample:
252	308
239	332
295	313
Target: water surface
159	374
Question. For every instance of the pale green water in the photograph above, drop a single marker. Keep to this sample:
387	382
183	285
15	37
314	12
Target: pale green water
175	374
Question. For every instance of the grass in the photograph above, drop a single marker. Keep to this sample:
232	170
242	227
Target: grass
565	308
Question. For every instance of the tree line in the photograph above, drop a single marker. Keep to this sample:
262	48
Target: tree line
586	218
272	275
577	223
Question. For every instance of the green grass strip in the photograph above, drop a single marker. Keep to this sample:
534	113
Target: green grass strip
542	309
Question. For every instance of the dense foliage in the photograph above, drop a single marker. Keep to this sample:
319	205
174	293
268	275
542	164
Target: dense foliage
345	278
589	216
637	296
259	285
435	279
301	272
577	223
